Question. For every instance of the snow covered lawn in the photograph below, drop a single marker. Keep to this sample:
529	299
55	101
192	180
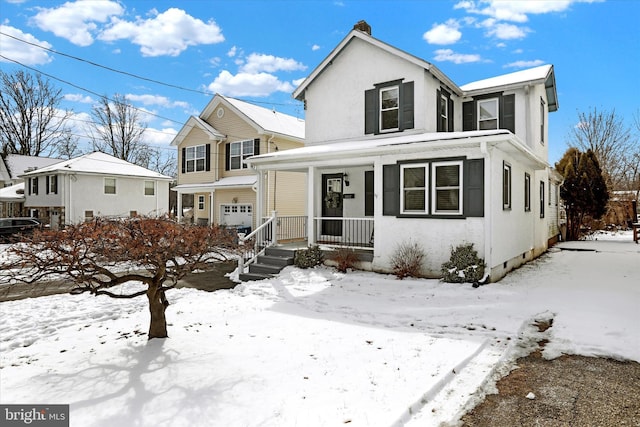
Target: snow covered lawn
316	347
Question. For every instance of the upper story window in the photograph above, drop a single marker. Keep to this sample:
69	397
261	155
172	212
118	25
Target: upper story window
488	114
444	110
109	186
195	158
33	185
542	121
52	184
149	188
388	107
237	152
494	111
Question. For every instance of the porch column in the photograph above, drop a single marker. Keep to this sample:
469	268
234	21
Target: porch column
311	208
211	208
179	209
259	211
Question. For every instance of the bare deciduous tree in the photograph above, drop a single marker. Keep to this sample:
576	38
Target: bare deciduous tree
31	123
117	130
604	133
102	254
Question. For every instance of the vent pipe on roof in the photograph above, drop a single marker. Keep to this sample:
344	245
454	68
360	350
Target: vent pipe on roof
363	26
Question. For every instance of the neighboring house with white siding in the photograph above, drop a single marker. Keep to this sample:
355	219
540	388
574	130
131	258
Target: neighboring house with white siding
12	166
95	184
212	148
397	152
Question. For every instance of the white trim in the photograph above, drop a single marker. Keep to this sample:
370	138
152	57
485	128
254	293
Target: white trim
425	167
433	188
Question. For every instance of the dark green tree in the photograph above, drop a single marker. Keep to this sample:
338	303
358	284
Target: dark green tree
584	189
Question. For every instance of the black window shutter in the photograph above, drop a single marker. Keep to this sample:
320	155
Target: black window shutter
46	179
371	111
438	117
256	146
407	106
507	113
29	189
390	190
468	115
207	159
55	181
474	187
184	159
368	193
450	114
227	156
35	185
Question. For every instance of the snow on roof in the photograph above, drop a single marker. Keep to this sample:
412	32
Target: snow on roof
12	192
99	163
18	164
236	181
268	119
532	74
339	148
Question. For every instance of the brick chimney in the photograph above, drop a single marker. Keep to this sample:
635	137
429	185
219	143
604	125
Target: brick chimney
363	26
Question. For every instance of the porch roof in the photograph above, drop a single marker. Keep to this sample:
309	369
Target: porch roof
227	183
13	193
356	150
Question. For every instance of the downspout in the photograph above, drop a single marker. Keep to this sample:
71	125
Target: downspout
488	215
275	181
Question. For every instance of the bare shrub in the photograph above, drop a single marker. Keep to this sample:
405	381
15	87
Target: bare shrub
345	258
406	260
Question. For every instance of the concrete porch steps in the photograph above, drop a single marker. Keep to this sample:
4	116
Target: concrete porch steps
269	264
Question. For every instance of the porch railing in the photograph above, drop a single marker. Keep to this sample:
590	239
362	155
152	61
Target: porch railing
346	232
256	242
290	228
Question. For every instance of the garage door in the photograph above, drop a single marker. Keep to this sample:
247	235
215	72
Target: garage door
237	214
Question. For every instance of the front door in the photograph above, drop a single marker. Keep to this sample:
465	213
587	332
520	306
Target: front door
332	204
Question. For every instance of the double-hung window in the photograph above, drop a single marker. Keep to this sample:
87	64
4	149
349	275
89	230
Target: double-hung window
506	186
542	121
443	113
413	182
195	158
52	184
389	109
240	150
446	192
109	186
488	114
527	192
200	203
149	188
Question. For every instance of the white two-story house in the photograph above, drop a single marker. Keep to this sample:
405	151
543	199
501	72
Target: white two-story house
396	151
212	149
95	184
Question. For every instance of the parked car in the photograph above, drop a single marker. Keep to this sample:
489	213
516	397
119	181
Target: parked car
13	227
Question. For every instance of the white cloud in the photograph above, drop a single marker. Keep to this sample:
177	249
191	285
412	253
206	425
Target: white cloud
525	64
159	100
76	97
168	33
21	52
232	52
507	31
456	58
76	21
516	10
159	137
246	84
315	47
518	51
258	62
447	33
298	82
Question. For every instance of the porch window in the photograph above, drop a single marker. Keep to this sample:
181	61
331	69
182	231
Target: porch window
506	186
527	192
109	186
414	188
446	192
195	158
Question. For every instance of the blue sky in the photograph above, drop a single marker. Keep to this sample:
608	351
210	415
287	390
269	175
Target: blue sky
260	50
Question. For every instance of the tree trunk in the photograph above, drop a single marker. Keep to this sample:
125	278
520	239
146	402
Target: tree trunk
157	305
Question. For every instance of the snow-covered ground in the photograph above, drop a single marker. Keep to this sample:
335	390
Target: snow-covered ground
316	347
